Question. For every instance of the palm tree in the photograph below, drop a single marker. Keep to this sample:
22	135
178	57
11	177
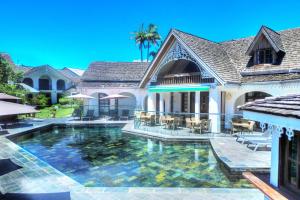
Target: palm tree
140	39
152	38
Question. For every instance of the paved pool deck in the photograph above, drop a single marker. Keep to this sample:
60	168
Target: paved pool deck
37	176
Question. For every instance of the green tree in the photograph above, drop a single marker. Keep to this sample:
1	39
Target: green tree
40	100
7	73
140	39
152	38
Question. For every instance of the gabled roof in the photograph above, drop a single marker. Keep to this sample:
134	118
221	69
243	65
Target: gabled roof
272	36
46	68
212	54
78	72
228	60
288	106
114	74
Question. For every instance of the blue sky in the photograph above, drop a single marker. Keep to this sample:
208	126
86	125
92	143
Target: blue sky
75	33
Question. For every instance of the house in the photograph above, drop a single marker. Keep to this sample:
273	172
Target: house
281	116
46	79
191	74
106	78
49	81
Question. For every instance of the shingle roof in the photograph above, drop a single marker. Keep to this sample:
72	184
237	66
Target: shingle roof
288	106
212	54
291	60
275	37
228	59
115	71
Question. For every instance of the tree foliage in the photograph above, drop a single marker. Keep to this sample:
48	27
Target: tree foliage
147	38
7	73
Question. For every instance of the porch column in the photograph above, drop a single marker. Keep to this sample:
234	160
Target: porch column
53	91
197	104
161	103
36	83
151	102
275	157
215	110
167	96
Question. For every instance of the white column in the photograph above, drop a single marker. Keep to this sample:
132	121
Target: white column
54	91
36	83
215	110
274	158
161	104
168	102
151	102
197	104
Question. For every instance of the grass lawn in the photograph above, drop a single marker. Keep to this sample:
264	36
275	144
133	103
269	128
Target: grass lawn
61	112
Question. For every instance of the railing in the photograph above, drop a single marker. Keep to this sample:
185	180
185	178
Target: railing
186	78
191	123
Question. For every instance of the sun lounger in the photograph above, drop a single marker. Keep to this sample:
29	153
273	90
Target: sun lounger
89	115
260	143
244	137
36	196
7	166
247	138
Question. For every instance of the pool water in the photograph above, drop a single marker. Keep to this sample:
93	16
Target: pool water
105	157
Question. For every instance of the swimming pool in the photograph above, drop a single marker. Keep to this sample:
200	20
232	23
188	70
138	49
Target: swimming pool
98	156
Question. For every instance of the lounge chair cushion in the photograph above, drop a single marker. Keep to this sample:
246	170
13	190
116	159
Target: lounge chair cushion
36	196
7	166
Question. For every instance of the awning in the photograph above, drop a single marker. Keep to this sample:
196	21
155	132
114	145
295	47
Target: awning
179	88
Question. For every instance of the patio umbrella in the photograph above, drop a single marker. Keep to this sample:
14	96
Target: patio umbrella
4	96
80	97
116	97
8	109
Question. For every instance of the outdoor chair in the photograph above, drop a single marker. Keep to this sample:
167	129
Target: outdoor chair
150	120
89	115
264	136
76	113
162	120
124	115
188	123
202	125
176	123
242	125
260	143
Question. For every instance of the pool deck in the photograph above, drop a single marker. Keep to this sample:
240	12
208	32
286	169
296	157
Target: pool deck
37	176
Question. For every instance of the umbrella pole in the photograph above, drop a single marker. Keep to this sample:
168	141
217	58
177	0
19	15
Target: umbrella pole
117	108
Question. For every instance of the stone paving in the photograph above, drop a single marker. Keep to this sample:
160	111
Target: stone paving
38	176
237	157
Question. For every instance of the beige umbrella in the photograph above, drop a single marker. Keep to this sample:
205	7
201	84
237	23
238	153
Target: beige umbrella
80	97
4	96
116	97
8	108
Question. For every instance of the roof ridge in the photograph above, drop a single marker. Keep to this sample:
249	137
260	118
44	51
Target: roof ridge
194	35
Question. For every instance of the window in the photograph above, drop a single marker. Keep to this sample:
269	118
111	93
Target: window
290	161
264	56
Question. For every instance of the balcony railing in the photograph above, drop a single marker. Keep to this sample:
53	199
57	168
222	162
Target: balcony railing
184	78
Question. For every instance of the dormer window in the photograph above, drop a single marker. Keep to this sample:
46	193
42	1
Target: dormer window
266	48
264	56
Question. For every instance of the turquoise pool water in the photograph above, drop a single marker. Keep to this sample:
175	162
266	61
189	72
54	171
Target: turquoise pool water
105	157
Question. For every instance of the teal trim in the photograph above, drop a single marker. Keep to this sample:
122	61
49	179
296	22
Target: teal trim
188	88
